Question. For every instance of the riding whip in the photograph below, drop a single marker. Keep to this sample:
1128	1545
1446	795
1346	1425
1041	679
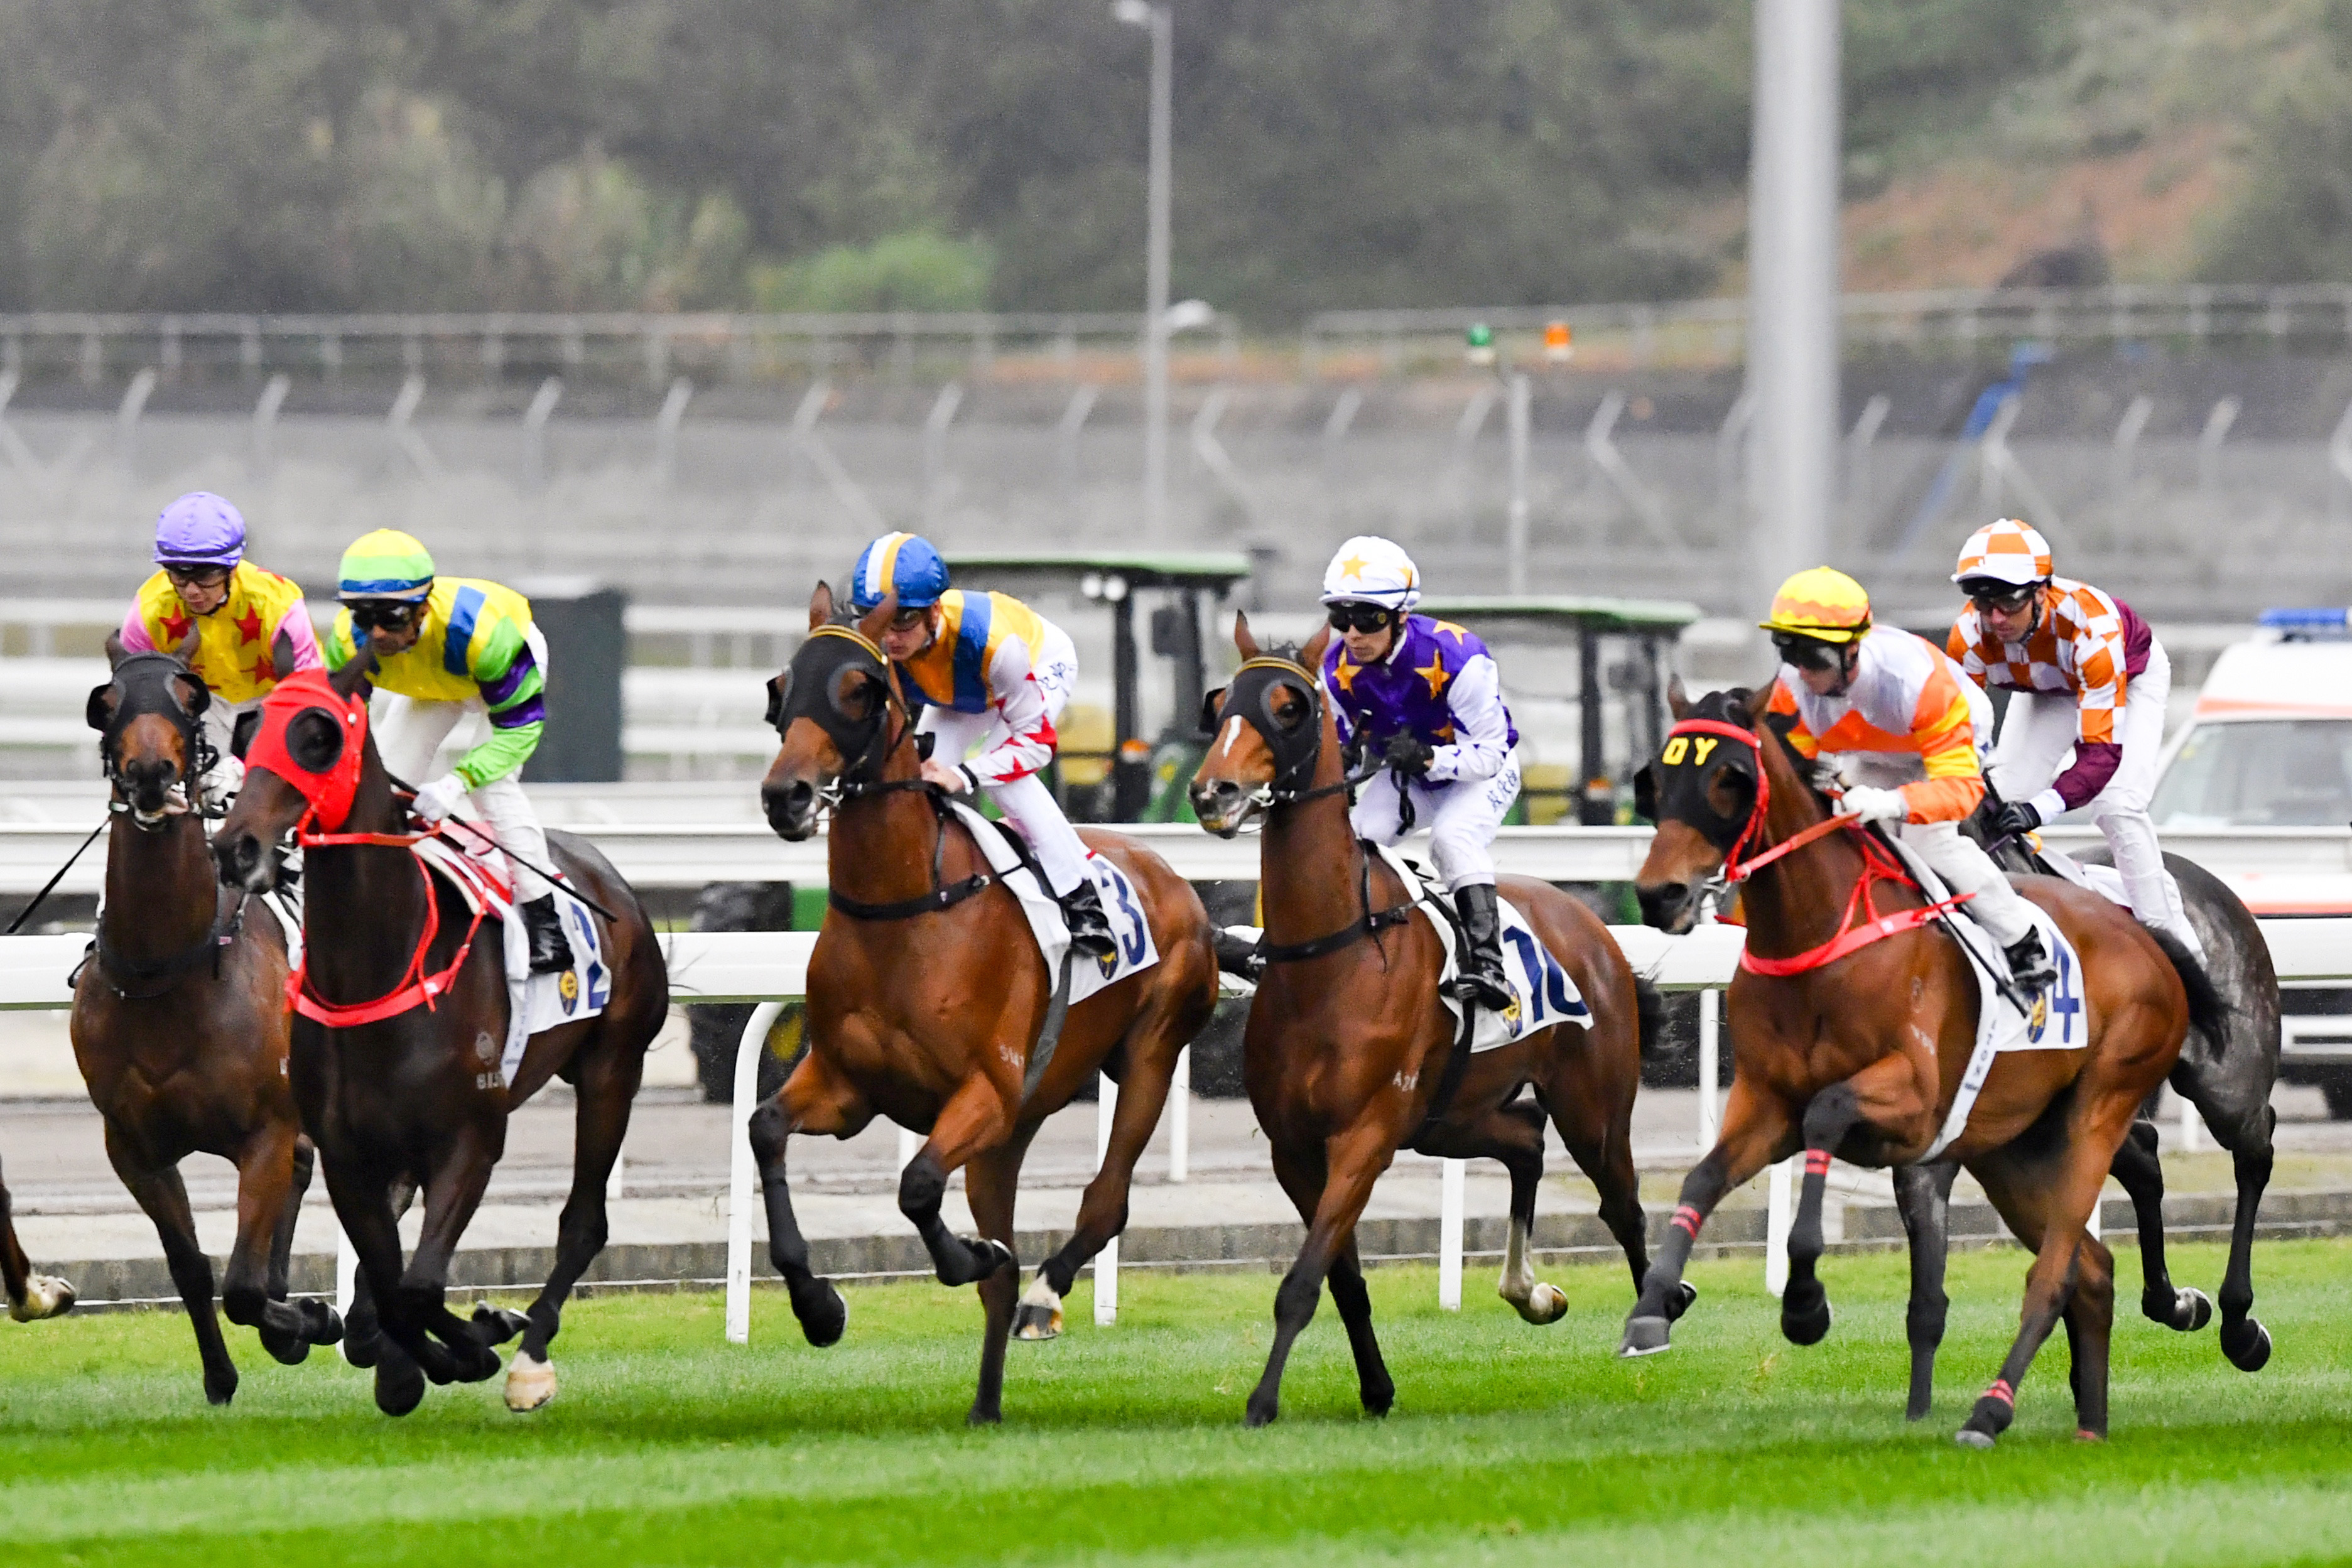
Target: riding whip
555	878
49	886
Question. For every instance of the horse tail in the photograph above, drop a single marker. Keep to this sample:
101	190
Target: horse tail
1650	1009
2207	1013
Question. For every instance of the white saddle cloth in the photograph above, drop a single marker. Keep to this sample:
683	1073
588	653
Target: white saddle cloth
535	1003
1138	950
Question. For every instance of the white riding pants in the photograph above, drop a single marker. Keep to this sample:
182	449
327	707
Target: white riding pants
1965	867
1026	801
2038	736
410	730
1462	818
226	774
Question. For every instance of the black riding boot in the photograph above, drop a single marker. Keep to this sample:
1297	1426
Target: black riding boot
2029	964
1482	923
1090	931
550	954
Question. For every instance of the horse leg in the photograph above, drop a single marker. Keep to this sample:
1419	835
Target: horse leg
2141	1173
1102	1212
605	1090
453	1190
2090	1324
1352	1162
1755	1127
31	1296
1607	1161
265	1178
1373	1385
2243	1339
156	1186
975	1118
990	1181
1923	1195
363	1329
815	1099
404	1354
1513	1133
320	1325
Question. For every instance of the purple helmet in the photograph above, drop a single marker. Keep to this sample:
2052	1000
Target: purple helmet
199	529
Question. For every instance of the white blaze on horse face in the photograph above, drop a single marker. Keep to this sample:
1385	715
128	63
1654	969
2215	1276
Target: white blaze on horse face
1233	727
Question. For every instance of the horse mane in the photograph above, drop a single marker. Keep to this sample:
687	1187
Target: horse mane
1740	706
1290	650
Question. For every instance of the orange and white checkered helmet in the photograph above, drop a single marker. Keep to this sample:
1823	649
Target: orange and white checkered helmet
2006	551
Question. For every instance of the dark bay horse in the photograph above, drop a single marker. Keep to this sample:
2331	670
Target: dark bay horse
926	996
179	1025
2227	1072
1854	1046
31	1297
1350	1053
413	1098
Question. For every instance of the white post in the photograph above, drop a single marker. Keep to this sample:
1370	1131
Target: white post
738	1183
1710	1067
910	1143
1106	1260
2192	1125
616	1178
1449	1234
1516	544
347	1280
2099	1203
1779	1218
1180	1118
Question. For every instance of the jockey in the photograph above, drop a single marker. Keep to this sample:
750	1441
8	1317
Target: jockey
986	669
1854	687
2090	678
237	627
448	648
1427	698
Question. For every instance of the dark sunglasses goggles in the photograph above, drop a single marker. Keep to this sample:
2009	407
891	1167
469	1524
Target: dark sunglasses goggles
2004	597
1807	653
1362	618
386	615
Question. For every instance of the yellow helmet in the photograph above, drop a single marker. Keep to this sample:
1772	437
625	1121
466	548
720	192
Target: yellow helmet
1823	603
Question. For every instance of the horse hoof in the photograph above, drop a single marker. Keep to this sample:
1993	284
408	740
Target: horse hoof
1987	1422
1544	1304
496	1326
2084	1435
1378	1398
2247	1345
1037	1324
530	1383
2183	1312
287	1350
221	1388
1806	1323
477	1365
46	1296
976	1417
1684	1297
990	1255
321	1324
399	1384
1970	1438
824	1316
1645	1336
1261	1413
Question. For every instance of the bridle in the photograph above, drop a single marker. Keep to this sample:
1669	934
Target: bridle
141	700
1296	750
1736	870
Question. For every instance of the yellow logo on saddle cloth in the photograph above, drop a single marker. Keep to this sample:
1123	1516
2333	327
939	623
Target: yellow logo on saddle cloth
567	986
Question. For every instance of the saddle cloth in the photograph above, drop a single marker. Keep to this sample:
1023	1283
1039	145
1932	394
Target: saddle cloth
534	1002
2060	1019
1138	950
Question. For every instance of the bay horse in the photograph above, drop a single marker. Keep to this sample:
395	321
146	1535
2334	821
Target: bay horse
31	1297
179	1024
2227	1072
1852	1024
1350	1053
926	996
401	1019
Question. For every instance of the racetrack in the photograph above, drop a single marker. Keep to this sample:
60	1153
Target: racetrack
1508	1442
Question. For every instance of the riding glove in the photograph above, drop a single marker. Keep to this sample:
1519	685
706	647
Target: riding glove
1875	805
2015	819
438	799
1409	755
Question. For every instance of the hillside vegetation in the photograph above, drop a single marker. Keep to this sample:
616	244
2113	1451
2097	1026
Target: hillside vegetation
827	155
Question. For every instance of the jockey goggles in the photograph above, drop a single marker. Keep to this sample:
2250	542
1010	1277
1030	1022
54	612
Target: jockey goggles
1807	653
2004	597
386	615
196	576
1353	615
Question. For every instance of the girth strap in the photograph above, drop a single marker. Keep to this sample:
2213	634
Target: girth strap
942	897
1371	924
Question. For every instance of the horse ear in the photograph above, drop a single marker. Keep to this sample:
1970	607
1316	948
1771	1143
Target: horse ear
1243	640
1311	655
821	605
194	695
354	673
878	619
1210	703
1645	792
1679	701
99	714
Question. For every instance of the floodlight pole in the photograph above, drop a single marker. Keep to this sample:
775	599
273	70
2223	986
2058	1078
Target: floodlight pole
1159	19
1792	315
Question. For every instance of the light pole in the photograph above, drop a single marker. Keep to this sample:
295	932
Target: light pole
1158	19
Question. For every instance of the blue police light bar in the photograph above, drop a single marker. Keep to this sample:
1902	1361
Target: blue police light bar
2313	622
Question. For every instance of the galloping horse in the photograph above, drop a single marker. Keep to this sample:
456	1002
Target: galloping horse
1853	1025
927	995
31	1297
179	1025
403	1088
2227	1075
1350	1055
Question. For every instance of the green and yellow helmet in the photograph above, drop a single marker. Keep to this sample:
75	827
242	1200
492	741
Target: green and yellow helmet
385	564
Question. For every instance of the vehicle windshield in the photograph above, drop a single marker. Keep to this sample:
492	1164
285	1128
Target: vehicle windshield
2267	773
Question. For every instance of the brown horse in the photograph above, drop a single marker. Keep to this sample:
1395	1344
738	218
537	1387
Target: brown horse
179	1025
927	997
1854	1045
31	1297
415	1097
1350	1055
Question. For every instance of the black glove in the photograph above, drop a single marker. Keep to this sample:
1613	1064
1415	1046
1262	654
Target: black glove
1408	755
2015	819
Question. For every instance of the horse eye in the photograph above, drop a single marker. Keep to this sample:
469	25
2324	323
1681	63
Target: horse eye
1286	716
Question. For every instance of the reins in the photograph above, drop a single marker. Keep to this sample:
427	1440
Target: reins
415	987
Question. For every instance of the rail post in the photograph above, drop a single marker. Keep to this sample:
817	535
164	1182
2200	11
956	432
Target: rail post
1106	1260
1449	1234
738	1183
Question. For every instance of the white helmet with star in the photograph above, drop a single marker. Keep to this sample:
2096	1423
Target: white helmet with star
1369	570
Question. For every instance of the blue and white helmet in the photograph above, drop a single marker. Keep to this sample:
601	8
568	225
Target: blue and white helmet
904	564
1369	570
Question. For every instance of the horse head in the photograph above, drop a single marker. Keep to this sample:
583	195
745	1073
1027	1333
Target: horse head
303	765
1271	730
1702	790
150	719
835	716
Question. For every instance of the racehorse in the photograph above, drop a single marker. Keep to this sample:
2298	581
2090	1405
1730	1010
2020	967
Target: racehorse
1851	1027
926	996
179	1024
1350	1055
2227	1075
31	1297
400	1019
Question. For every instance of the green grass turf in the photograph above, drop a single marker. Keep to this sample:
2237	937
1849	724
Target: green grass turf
666	1445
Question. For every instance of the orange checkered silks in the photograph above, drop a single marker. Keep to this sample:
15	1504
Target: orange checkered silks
2085	642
